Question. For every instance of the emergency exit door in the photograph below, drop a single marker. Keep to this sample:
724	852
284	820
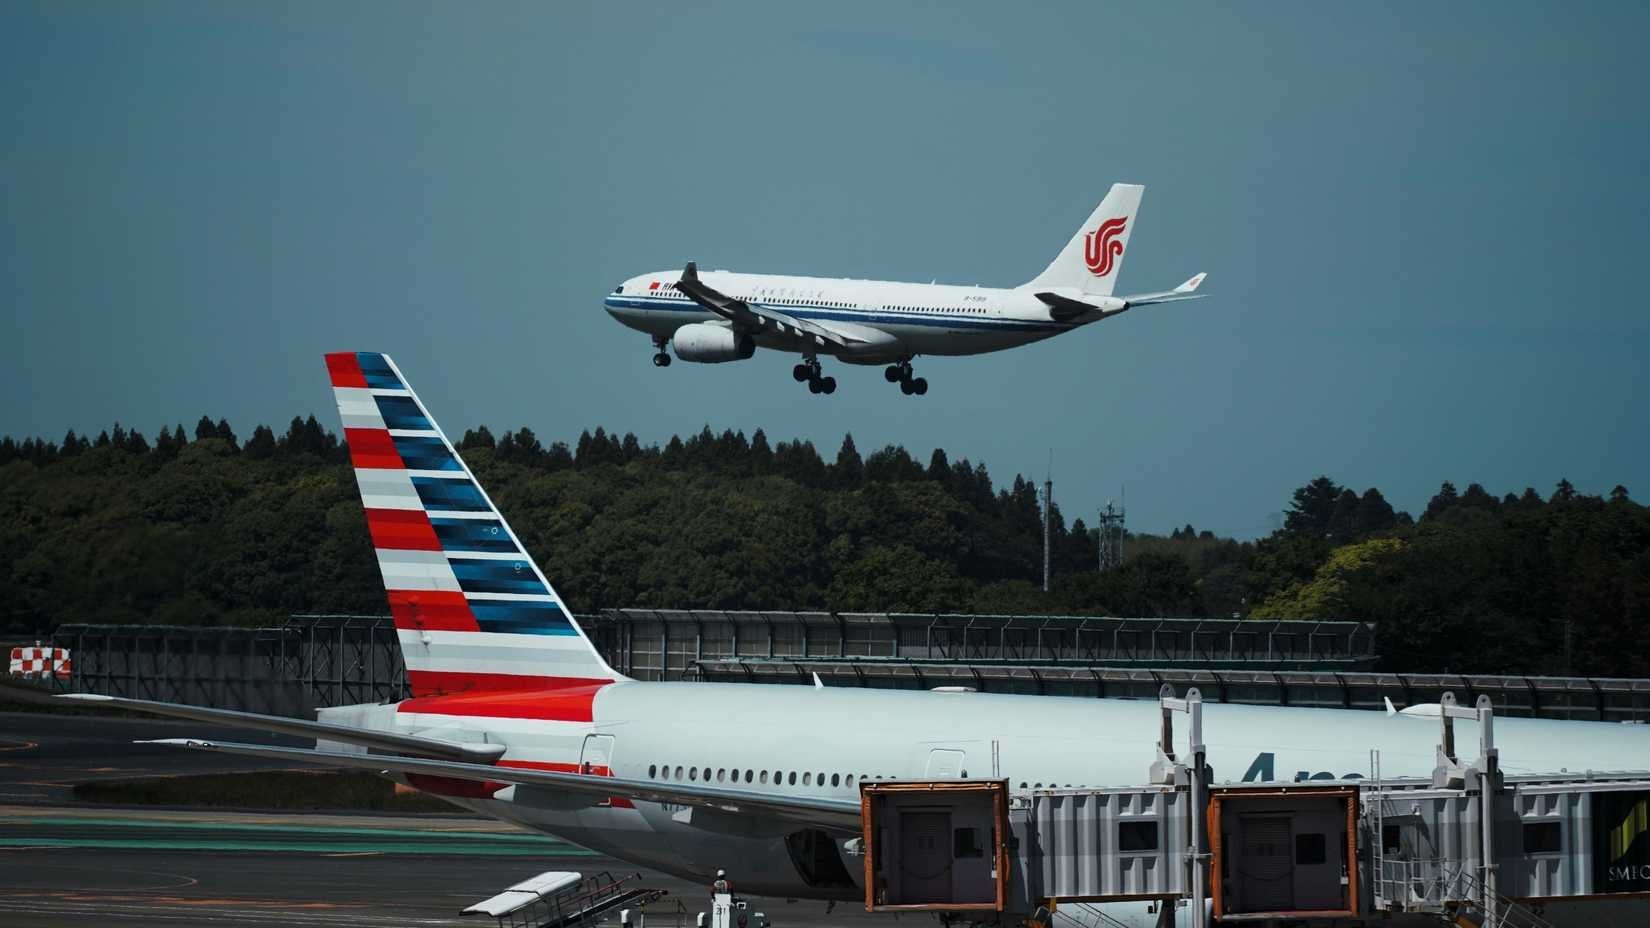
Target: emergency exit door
945	764
597	756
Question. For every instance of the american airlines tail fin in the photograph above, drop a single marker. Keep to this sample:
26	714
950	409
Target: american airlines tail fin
1091	260
472	611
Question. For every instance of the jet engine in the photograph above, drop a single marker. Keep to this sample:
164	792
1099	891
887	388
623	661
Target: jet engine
711	344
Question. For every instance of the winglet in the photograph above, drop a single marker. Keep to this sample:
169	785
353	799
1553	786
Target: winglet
818	683
691	272
1390	708
1193	284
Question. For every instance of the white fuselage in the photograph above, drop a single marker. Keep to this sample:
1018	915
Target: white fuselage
891	320
821	742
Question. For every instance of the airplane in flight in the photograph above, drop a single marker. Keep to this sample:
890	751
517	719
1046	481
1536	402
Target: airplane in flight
516	715
724	316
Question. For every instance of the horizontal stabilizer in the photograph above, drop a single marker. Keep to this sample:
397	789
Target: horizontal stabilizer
1063	308
1186	291
836	815
393	742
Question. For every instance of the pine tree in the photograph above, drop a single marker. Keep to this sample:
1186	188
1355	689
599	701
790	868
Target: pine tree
262	444
205	429
1618	494
584	453
528	449
136	443
1565	492
72	444
761	453
1313	508
480	437
1476	497
849	470
939	467
1343	519
1443	500
1374	514
558	456
223	431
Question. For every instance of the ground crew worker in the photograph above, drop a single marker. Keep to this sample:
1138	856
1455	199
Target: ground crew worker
721	885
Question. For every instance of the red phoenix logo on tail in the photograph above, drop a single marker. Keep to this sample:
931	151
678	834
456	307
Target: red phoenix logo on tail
1101	247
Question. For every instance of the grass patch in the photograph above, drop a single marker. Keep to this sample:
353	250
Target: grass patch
347	791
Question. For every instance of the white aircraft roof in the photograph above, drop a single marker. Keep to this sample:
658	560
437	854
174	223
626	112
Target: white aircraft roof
525	893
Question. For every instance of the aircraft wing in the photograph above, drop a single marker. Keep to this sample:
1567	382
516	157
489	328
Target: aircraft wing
1186	291
758	319
326	731
836	815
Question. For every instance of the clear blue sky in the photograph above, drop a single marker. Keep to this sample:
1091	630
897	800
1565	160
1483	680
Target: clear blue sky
1424	224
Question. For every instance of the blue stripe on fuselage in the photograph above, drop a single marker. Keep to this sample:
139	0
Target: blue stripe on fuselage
848	315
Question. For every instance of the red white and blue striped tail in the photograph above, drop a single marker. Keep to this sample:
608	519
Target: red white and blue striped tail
472	610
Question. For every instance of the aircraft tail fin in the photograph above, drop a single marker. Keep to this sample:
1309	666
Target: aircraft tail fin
473	612
1091	260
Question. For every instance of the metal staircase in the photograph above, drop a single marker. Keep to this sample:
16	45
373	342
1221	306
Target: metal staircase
580	904
1483	908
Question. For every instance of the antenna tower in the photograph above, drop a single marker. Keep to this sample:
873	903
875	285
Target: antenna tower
1112	531
1048	512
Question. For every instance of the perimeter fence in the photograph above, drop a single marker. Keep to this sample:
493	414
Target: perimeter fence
326	660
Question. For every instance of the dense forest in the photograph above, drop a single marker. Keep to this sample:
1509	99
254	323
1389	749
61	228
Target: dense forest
201	528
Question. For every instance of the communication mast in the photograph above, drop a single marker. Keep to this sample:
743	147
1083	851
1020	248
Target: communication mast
1112	531
1048	511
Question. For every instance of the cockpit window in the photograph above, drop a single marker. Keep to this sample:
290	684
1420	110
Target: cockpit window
619	288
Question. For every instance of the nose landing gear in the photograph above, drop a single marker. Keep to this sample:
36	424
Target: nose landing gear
901	374
809	371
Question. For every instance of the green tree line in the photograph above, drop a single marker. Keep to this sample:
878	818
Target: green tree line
202	528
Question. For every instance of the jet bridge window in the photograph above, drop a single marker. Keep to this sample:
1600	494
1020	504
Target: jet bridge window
1137	836
1543	838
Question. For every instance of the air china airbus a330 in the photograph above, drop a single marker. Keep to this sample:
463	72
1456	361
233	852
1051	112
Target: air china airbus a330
723	316
514	713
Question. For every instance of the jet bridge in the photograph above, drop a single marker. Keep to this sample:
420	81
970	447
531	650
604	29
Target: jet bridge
1468	846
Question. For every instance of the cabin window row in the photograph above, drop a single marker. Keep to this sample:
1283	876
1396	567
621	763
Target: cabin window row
757	777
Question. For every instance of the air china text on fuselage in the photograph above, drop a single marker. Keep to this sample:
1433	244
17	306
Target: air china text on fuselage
722	316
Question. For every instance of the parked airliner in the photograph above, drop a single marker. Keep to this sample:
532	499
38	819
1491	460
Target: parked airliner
724	316
516	715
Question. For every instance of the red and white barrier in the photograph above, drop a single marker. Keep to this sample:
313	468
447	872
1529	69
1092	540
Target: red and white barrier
33	663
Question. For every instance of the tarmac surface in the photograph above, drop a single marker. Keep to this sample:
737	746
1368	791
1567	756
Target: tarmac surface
64	863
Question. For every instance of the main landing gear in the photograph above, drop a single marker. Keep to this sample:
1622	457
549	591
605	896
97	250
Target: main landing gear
662	357
901	374
817	383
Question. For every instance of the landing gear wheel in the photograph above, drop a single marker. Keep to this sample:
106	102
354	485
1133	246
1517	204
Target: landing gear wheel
827	385
661	360
893	373
801	372
919	386
907	387
815	385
